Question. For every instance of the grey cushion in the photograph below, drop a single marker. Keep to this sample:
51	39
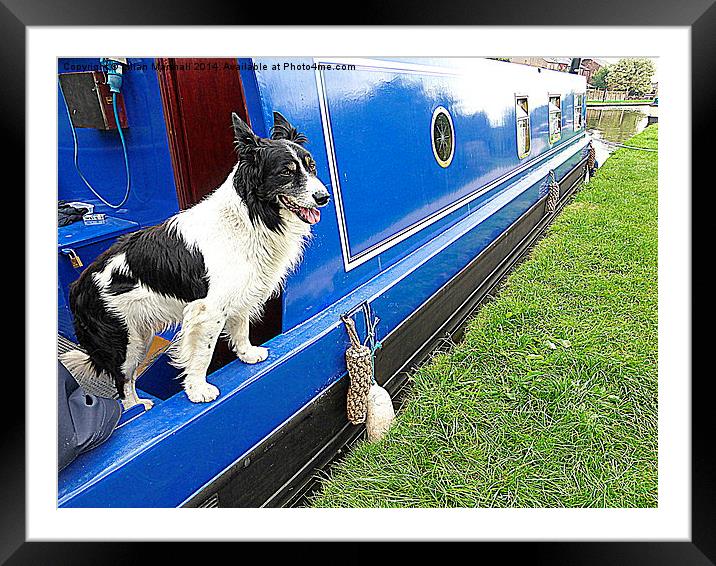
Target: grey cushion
84	421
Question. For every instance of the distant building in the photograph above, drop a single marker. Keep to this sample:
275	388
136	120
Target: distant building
588	68
552	63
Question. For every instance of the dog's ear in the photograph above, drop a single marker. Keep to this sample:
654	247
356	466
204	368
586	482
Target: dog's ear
283	130
243	133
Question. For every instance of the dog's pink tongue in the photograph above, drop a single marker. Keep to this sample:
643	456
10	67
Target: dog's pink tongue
313	215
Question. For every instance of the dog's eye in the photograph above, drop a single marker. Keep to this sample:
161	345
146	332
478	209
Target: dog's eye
288	171
310	164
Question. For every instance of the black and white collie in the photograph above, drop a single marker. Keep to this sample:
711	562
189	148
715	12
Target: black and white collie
210	268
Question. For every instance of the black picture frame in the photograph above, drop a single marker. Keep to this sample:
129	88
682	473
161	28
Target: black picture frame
699	15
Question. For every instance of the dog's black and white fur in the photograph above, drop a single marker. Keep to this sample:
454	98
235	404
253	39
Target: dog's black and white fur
210	268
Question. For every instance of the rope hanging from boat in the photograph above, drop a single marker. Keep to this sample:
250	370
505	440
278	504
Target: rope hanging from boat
591	160
360	374
552	194
370	340
366	401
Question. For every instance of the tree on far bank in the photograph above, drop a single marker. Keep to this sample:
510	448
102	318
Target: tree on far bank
632	75
599	79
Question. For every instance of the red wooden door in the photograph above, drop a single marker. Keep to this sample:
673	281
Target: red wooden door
199	96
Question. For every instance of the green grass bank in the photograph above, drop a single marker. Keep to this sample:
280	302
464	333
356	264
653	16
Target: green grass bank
551	398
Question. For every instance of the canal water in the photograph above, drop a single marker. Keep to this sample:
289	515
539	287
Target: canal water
616	124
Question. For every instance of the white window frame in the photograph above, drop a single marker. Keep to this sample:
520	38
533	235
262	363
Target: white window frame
578	116
554	138
518	120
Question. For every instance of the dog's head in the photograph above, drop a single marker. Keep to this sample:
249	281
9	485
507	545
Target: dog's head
277	174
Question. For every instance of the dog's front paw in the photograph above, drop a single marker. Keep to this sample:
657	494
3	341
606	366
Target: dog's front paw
201	392
254	355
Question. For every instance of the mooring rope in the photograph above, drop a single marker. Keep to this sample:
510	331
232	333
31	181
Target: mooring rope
627	146
373	343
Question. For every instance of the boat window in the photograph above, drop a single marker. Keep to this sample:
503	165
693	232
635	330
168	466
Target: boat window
578	117
555	118
522	113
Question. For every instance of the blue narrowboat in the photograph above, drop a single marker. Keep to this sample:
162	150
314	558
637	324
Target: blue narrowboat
442	171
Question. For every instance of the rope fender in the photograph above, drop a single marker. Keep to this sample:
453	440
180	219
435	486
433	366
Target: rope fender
552	194
366	401
592	160
360	374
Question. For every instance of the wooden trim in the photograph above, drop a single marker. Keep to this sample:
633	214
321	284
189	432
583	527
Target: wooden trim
175	129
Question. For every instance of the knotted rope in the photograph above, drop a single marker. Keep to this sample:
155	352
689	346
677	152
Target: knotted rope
359	361
552	194
366	401
591	159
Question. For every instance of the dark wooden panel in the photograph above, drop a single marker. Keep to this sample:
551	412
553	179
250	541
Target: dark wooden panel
199	96
258	479
571	179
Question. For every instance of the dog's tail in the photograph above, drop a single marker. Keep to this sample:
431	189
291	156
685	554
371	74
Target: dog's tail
79	364
100	333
